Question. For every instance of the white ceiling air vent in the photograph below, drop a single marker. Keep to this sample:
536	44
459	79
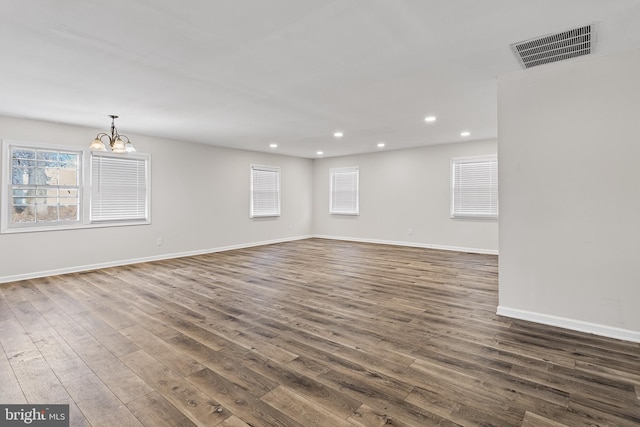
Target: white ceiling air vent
555	47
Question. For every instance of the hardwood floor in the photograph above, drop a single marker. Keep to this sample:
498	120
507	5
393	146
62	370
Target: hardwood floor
306	333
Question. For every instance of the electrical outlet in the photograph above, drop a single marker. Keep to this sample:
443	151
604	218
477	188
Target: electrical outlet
410	231
159	241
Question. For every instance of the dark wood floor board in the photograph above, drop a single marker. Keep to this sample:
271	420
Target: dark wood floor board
366	416
303	333
58	319
13	337
434	326
307	412
199	407
487	416
381	398
40	384
114	315
377	365
259	343
5	311
162	351
588	343
576	384
126	306
557	357
121	380
601	414
60	357
98	404
486	402
615	369
91	322
10	392
155	411
195	330
231	369
533	420
234	421
497	373
304	385
187	304
305	342
239	400
57	289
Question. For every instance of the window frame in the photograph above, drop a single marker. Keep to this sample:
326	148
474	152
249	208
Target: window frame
335	210
456	212
252	193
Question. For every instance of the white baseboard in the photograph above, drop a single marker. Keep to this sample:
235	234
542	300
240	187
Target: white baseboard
77	269
411	244
575	325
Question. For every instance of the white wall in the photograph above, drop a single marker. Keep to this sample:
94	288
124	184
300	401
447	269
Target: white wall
569	148
402	190
200	203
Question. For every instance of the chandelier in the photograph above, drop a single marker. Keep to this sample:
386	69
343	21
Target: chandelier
117	143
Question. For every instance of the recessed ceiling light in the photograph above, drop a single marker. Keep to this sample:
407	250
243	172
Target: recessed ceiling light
465	133
273	145
338	134
381	144
430	119
319	153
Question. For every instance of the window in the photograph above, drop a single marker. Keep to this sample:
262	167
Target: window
265	191
43	187
474	187
119	188
344	191
48	188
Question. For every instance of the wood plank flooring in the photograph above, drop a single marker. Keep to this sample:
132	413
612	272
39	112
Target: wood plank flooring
307	333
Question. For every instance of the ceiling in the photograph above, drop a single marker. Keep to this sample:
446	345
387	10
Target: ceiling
249	73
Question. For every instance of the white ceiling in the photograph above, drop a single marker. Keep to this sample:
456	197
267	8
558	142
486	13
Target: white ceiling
247	73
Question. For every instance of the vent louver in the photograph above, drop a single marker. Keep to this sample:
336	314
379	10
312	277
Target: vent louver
555	47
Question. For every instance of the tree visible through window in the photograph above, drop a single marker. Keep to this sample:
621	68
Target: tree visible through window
45	187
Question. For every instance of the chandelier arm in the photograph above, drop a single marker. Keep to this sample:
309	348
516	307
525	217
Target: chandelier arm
101	135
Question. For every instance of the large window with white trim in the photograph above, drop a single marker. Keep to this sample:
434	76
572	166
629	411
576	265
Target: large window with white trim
344	188
265	191
474	187
48	187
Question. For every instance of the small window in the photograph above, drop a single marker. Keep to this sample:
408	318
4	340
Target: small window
474	187
120	188
344	191
265	191
43	187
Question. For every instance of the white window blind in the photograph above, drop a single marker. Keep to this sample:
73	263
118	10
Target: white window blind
265	191
474	187
344	191
119	188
